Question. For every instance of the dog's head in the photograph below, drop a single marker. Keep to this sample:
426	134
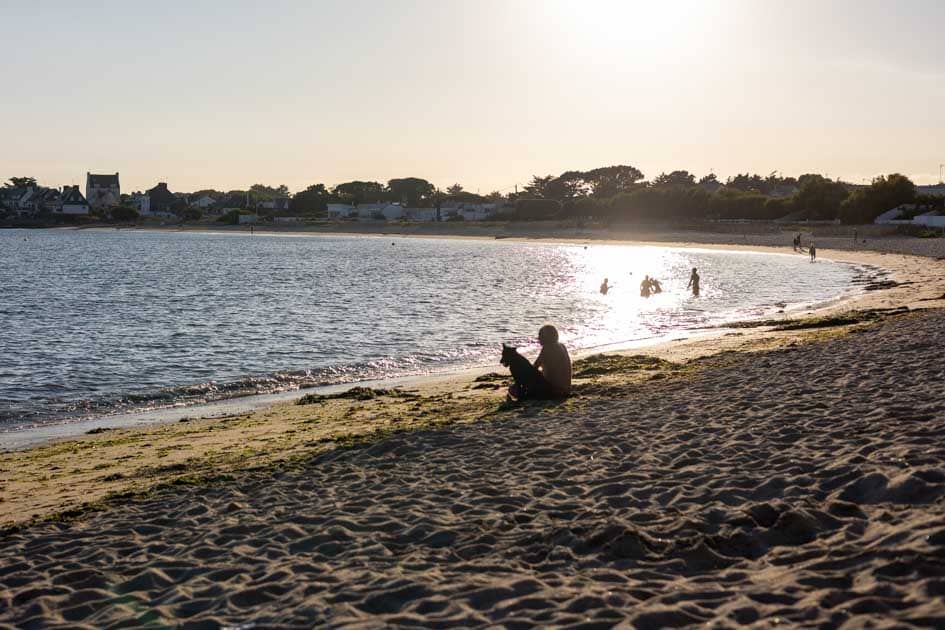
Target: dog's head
508	353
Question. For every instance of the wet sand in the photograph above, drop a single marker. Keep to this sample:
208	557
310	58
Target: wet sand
769	476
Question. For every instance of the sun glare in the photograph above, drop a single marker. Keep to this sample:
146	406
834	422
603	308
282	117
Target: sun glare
614	25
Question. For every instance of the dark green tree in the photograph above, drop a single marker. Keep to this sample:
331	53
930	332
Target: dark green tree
454	190
21	182
537	188
885	193
413	192
608	181
358	192
676	178
820	198
312	200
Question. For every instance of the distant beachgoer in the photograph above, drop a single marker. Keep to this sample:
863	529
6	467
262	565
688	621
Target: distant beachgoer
813	251
604	287
549	377
694	282
645	287
655	285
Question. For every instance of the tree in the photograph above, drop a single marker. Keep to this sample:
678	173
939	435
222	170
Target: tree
454	190
413	192
538	186
261	191
311	200
608	181
709	179
358	192
746	183
884	193
21	182
568	185
820	198
676	178
191	214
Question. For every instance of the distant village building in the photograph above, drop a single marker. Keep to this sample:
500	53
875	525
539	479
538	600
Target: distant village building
33	200
280	204
162	200
203	202
102	191
466	210
934	190
73	202
141	202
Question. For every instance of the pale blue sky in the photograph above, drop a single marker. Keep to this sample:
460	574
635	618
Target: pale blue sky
486	93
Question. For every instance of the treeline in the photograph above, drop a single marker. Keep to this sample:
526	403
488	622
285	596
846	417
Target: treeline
619	193
413	192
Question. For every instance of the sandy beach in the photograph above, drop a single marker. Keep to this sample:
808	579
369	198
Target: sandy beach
790	473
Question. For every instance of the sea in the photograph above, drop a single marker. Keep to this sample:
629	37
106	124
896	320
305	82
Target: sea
96	323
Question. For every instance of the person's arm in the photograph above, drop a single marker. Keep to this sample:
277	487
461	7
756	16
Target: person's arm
540	360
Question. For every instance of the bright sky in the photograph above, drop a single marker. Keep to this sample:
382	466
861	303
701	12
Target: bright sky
486	93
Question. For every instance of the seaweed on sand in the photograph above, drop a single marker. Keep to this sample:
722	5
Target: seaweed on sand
601	364
355	393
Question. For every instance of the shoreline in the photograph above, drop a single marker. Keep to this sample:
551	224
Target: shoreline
784	471
190	442
128	418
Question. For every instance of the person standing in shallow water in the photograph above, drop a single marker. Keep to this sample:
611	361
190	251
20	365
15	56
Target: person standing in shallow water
694	282
813	251
604	287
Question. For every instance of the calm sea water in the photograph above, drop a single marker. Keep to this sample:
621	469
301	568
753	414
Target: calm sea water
100	322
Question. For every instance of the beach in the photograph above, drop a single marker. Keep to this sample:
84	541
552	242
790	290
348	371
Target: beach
781	473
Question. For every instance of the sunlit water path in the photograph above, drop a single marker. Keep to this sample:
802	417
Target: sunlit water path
96	322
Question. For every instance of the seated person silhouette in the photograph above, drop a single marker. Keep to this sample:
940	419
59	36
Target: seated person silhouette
549	378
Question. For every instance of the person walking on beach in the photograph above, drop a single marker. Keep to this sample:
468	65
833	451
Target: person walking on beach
813	251
694	282
604	287
854	237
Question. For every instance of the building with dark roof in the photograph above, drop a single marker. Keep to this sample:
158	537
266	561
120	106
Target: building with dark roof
73	202
102	191
162	199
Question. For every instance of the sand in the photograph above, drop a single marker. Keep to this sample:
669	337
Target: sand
765	476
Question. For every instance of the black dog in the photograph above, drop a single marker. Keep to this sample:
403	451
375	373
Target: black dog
529	383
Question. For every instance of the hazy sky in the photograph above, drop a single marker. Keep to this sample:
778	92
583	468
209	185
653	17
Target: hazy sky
483	92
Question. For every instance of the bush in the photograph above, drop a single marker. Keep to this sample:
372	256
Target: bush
232	217
123	213
537	209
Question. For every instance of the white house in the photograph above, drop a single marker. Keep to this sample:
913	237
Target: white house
73	202
366	211
468	211
142	203
203	202
420	214
928	219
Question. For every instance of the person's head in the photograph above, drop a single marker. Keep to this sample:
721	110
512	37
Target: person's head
605	280
693	270
547	334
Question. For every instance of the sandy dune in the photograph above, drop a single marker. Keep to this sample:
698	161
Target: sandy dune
804	486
